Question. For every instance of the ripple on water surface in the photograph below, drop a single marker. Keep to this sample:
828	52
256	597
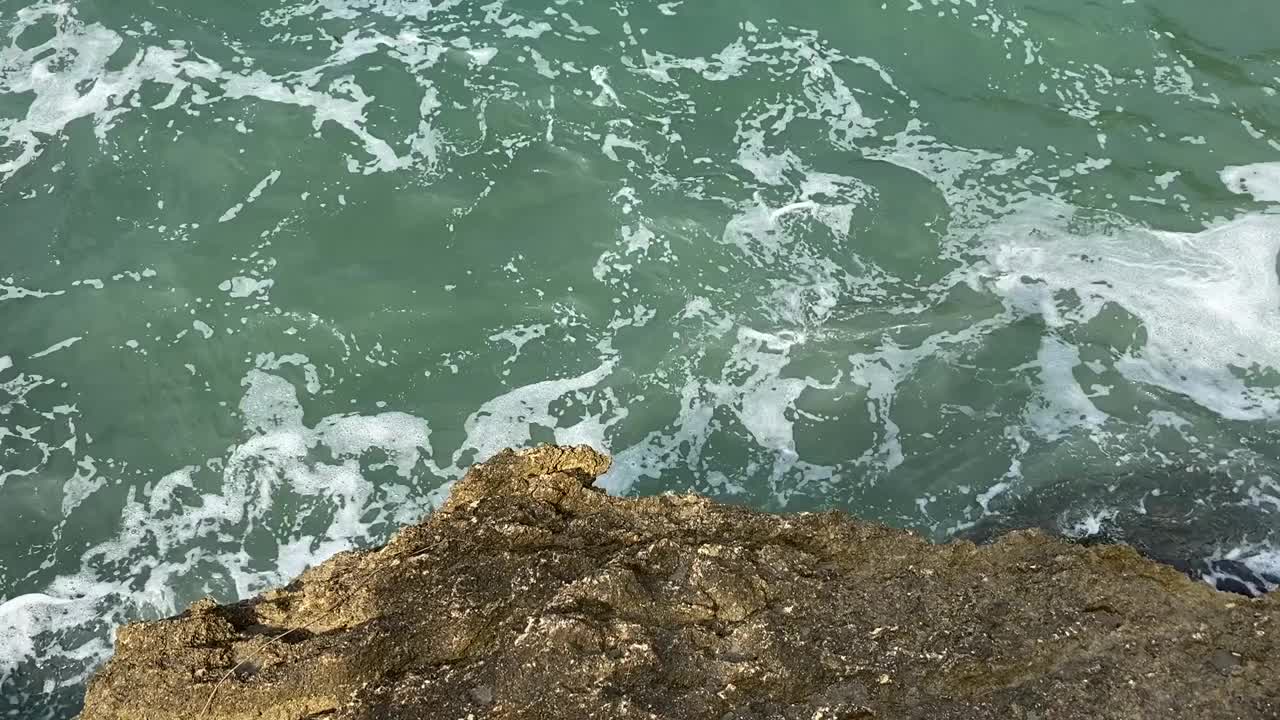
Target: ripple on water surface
273	279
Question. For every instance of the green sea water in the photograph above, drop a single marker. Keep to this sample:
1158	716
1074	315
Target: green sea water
273	274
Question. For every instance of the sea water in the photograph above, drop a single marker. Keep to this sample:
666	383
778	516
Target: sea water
273	275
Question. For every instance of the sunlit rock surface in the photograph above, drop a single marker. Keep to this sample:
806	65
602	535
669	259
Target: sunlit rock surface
531	595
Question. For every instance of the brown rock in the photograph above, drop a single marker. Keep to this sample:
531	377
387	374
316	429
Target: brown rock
531	595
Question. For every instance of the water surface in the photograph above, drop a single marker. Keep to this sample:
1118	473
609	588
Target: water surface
273	277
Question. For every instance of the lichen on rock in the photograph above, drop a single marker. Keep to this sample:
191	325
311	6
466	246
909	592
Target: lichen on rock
532	595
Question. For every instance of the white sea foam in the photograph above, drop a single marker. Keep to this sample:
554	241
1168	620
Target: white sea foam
506	420
1261	180
182	520
242	287
1091	525
62	345
1208	301
24	618
1063	405
519	336
752	388
56	72
1250	567
254	194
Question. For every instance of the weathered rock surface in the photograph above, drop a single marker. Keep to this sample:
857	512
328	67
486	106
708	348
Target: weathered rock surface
530	595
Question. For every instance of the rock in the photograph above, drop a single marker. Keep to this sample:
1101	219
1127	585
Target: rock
1225	661
532	595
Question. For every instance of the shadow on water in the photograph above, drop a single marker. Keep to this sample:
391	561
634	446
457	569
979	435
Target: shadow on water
32	692
1196	522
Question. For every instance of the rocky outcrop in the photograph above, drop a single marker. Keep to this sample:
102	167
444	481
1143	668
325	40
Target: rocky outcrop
531	595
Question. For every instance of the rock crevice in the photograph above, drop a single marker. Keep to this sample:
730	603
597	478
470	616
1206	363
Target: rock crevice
532	595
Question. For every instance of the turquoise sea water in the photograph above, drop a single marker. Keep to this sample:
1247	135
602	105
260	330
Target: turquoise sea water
273	274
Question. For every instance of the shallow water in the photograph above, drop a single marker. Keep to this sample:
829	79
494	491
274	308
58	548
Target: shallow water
272	279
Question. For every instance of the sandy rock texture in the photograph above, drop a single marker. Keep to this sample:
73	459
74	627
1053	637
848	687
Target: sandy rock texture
532	595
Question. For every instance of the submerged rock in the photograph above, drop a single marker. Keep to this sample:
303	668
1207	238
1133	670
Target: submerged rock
531	595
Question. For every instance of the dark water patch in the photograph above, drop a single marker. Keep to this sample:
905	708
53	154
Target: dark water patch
1197	522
